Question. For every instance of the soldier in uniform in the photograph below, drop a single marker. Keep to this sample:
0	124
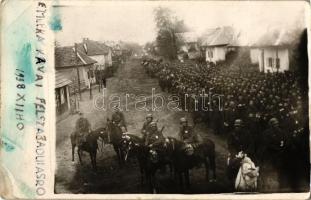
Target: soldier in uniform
187	134
154	136
83	128
118	117
146	125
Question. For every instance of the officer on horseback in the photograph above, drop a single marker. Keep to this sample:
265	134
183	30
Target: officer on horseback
118	117
187	134
154	136
146	125
83	128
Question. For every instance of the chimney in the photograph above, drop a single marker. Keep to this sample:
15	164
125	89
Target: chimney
85	44
75	49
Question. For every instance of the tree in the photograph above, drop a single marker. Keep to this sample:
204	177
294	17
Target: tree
167	25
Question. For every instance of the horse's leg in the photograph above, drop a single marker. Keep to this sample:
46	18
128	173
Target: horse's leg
95	163
79	154
116	149
213	165
206	164
181	186
171	169
187	179
141	169
73	152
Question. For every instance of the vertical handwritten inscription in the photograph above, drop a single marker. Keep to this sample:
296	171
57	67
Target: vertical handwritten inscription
40	102
20	99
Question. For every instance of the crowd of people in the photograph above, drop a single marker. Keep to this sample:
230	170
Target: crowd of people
263	114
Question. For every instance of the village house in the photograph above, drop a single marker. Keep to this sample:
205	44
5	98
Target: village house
271	52
215	43
62	93
97	51
74	66
187	43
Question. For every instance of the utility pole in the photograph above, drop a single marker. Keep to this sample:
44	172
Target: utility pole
78	74
90	80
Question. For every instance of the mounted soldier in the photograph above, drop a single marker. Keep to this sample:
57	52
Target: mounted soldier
118	118
146	125
187	134
154	136
83	128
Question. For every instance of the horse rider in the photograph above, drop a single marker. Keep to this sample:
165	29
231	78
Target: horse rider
239	141
146	125
187	134
118	117
83	128
154	136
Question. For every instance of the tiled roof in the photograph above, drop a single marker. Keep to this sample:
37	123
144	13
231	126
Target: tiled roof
66	57
61	80
93	48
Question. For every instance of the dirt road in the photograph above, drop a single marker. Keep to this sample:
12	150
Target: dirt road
130	79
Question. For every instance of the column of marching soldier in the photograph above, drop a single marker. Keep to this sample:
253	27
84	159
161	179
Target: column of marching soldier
262	114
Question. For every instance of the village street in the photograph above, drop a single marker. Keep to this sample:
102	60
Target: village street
110	178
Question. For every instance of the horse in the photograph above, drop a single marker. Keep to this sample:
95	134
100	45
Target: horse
184	159
149	159
134	145
114	137
90	145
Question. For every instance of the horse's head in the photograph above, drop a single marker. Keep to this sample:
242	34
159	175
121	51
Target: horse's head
128	143
153	156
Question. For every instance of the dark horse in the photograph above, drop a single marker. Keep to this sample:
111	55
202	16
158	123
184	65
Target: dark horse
90	145
149	159
183	161
115	136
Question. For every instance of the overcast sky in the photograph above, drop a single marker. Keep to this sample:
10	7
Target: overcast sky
134	20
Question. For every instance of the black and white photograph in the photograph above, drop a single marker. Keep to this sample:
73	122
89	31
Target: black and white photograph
181	97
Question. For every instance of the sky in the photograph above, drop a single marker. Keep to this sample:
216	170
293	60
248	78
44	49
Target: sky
134	20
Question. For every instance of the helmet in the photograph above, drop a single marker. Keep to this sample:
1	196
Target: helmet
183	120
153	124
273	121
149	116
238	122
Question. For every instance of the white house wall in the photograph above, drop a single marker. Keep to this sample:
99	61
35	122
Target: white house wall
281	53
219	54
254	53
100	60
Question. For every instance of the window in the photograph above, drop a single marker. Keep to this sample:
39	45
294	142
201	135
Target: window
210	53
277	63
270	62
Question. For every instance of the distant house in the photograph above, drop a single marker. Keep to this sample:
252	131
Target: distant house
188	43
272	52
97	51
62	93
215	43
74	65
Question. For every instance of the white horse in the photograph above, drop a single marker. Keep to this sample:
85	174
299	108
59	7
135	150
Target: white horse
247	177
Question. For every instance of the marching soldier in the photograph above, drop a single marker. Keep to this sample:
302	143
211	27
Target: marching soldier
273	142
